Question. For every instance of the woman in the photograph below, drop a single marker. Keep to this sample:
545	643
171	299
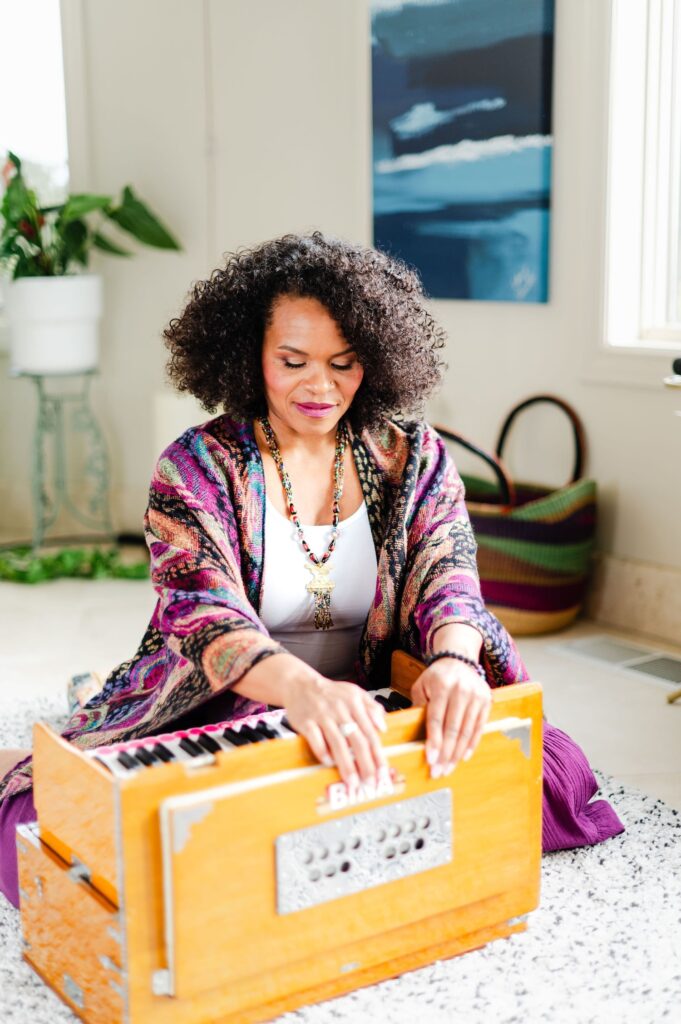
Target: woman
302	536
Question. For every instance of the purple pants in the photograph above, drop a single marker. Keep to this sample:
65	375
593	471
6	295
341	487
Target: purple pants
568	819
16	810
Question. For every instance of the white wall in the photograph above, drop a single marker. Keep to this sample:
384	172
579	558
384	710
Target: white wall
240	121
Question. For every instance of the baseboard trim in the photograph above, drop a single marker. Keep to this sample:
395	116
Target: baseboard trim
637	597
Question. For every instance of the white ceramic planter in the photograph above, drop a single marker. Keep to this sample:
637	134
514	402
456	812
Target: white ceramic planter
54	323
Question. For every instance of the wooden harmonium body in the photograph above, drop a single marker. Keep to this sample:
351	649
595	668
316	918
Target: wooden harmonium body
224	875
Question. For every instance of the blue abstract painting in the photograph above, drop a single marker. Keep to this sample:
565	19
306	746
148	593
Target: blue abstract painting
462	143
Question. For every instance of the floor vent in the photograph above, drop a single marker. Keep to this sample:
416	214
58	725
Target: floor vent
645	661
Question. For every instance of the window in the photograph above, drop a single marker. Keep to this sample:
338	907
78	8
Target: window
33	111
642	308
33	119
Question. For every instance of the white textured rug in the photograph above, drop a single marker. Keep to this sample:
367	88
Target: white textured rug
604	946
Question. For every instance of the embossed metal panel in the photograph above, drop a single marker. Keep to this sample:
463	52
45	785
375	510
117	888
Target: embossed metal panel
369	848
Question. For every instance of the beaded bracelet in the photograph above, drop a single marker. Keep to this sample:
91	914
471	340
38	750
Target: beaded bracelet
459	657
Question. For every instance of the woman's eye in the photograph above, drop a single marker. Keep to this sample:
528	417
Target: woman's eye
297	366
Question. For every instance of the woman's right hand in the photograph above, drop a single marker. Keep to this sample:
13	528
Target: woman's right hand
340	722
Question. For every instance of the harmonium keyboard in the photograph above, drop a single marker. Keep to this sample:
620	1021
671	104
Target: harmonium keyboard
222	874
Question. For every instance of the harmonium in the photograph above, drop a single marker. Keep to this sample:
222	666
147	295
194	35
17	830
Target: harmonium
222	874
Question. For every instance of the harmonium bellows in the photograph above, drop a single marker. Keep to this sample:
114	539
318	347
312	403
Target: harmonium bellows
221	874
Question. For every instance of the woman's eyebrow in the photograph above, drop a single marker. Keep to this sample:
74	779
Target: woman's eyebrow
300	352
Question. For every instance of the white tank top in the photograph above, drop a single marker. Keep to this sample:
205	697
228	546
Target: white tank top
287	609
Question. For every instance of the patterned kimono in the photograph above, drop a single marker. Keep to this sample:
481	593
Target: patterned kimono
204	528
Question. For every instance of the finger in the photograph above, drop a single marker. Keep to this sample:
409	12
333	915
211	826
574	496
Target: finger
376	714
341	753
379	763
315	738
478	728
465	731
361	747
435	714
479	700
455	716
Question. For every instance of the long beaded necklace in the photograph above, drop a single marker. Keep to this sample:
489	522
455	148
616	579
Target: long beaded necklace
321	585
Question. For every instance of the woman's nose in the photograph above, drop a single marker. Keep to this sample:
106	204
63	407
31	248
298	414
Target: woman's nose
320	379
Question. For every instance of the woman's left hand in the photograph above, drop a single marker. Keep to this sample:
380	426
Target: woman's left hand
457	700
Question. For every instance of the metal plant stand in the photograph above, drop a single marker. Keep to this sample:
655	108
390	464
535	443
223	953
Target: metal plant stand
61	412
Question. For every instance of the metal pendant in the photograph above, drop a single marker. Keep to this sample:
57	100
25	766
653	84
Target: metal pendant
320	586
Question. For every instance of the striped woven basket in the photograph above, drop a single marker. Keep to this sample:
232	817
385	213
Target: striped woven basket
535	544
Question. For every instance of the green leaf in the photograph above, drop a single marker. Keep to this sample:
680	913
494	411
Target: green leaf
75	233
74	244
78	206
9	245
106	245
137	219
19	202
25	267
15	160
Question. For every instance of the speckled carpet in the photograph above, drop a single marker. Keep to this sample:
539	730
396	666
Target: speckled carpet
604	946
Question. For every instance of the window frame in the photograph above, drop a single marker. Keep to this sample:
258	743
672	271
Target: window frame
605	273
643	178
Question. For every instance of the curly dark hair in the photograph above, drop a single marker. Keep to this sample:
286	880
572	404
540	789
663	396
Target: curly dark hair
376	300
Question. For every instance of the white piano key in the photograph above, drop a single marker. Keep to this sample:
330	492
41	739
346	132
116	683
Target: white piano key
384	691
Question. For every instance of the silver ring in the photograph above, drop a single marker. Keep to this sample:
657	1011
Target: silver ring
347	728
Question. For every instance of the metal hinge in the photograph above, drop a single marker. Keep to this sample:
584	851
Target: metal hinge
160	983
79	872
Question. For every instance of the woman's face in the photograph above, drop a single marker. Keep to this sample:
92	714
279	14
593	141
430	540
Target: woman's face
310	372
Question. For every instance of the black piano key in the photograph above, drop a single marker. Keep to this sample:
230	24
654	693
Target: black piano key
399	701
163	753
127	761
396	702
383	701
267	731
190	747
234	737
251	734
208	743
144	756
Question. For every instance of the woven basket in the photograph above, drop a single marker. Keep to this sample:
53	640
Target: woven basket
535	543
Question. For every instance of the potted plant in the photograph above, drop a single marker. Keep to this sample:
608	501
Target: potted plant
53	308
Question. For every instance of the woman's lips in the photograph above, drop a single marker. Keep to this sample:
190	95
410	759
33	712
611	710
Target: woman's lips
314	408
